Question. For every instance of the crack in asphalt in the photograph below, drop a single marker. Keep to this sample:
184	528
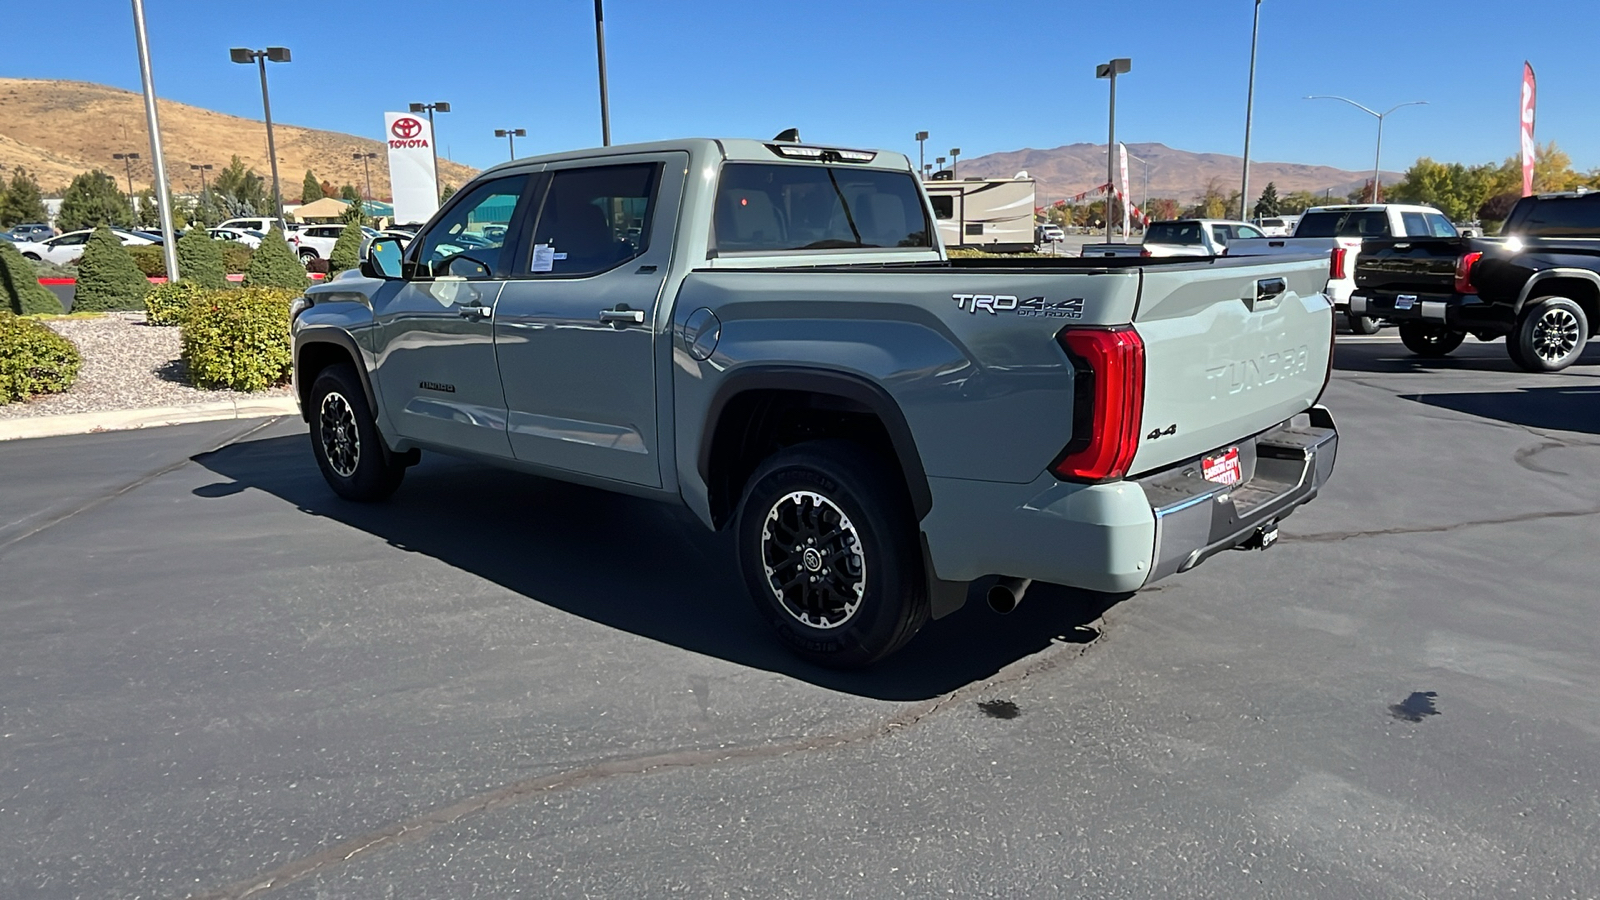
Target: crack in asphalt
141	481
422	826
1333	536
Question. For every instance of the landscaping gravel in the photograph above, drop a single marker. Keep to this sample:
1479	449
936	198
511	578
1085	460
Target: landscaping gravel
126	365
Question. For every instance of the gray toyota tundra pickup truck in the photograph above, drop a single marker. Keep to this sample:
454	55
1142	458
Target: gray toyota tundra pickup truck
771	335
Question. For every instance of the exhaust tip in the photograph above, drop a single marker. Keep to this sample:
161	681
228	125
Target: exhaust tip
1006	593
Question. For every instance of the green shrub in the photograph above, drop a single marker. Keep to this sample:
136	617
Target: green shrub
151	260
34	359
235	257
20	290
238	340
346	253
274	265
108	278
200	259
44	268
166	304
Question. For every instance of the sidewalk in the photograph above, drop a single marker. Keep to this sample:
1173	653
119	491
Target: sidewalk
150	417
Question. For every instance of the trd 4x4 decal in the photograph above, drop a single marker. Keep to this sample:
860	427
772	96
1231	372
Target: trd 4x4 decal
995	304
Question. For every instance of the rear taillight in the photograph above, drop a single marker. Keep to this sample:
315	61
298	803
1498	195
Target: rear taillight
1107	403
1336	264
1464	267
1143	251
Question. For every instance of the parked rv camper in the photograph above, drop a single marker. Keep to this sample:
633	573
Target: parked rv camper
994	214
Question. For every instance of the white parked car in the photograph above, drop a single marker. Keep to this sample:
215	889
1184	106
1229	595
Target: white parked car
65	249
1278	226
316	241
251	239
261	224
1181	237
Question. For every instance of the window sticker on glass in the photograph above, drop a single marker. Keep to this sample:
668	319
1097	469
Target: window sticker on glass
544	257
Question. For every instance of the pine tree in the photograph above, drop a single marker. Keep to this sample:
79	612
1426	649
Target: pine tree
349	194
346	253
200	259
1268	204
310	189
20	290
21	202
93	199
273	264
108	278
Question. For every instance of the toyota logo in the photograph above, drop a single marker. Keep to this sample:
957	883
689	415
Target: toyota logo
406	128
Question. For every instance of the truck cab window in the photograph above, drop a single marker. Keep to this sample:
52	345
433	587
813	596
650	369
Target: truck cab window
594	219
777	207
474	228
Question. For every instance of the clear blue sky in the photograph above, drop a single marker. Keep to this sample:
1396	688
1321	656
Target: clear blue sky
984	76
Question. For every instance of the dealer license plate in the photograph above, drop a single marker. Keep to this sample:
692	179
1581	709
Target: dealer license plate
1405	301
1223	469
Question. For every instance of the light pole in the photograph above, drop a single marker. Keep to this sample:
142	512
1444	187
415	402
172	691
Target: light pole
127	166
1380	116
202	169
927	170
1249	112
1119	66
922	138
366	170
245	56
431	108
511	135
600	55
158	166
955	154
940	161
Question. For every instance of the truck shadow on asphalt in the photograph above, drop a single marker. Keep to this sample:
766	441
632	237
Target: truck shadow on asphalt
1391	358
636	565
1555	408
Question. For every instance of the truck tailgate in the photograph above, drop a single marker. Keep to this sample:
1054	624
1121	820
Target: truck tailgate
1229	352
1412	265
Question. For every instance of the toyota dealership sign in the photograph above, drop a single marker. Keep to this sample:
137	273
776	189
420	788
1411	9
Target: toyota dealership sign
411	175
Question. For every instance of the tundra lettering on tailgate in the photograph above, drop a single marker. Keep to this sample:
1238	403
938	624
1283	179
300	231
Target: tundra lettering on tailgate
1246	374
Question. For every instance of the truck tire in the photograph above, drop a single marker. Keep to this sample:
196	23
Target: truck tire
1550	335
1361	324
1429	340
345	439
828	545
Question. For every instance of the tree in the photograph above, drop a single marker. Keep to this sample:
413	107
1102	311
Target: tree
354	214
149	210
349	194
93	199
200	259
21	202
240	190
20	290
273	264
448	192
108	278
1498	207
311	189
1267	205
328	190
346	253
1162	208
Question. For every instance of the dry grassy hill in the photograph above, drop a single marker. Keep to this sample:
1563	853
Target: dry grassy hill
1178	174
58	129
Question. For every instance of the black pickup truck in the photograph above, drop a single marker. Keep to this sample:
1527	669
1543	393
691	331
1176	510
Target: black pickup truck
1537	284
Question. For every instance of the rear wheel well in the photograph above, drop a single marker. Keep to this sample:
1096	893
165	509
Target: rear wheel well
755	424
1579	290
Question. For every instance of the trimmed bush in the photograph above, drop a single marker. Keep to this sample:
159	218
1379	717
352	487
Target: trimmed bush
235	257
108	278
34	359
151	260
273	264
238	340
20	290
346	253
166	304
200	259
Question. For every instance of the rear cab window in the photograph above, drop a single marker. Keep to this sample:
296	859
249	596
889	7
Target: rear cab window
785	207
1182	233
1358	223
1577	216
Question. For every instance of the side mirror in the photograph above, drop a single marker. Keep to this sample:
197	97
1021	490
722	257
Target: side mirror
380	257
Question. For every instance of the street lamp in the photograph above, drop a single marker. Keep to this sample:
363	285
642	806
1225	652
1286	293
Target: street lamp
511	135
600	55
430	109
927	170
955	154
245	56
1119	66
1380	116
366	169
940	161
1249	112
922	137
127	166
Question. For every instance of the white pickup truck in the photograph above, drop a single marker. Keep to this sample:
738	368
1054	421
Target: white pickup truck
1339	231
1181	237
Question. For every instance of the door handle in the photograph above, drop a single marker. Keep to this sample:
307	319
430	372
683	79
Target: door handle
1270	287
622	315
476	311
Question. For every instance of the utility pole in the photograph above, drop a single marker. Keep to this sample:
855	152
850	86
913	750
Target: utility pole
169	245
127	167
1111	70
1249	112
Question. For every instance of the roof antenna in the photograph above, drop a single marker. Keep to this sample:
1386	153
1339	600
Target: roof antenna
788	136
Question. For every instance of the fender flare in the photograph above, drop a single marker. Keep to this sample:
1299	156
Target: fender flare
338	338
851	387
1532	283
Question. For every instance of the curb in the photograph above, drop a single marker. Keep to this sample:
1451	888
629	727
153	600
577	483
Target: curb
150	417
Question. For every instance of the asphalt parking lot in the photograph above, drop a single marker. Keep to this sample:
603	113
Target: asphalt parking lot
217	680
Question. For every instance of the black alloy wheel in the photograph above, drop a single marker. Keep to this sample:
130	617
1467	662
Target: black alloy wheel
1550	336
352	455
